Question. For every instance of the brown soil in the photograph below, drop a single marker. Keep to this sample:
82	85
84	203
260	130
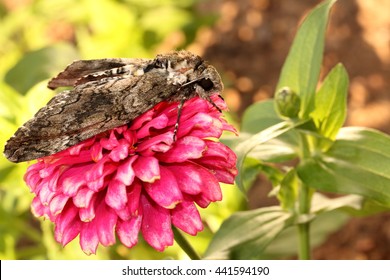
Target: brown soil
249	44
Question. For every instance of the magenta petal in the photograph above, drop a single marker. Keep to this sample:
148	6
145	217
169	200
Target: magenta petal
201	125
147	169
116	196
38	209
120	152
68	225
159	143
188	177
165	192
83	197
135	177
72	179
88	213
139	121
96	152
111	142
128	231
105	224
133	198
184	149
89	239
57	204
186	217
157	123
156	225
125	172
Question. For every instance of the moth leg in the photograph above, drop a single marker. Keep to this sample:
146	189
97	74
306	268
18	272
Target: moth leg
179	110
203	94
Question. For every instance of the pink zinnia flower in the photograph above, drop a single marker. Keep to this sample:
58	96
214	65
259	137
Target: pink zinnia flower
136	178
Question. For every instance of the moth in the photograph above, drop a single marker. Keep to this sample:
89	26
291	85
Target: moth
108	93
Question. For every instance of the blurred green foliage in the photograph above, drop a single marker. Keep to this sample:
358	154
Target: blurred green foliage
38	39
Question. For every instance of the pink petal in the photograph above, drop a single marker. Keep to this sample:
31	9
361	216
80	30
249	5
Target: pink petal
159	143
39	210
165	192
128	231
83	197
96	152
105	224
58	203
88	213
125	172
116	196
68	225
139	121
72	179
45	194
111	142
156	225
201	125
158	122
219	159
184	149
189	177
133	198
120	152
186	217
147	169
89	239
100	182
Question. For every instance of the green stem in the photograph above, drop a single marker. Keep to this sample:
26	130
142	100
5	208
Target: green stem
304	228
185	245
304	200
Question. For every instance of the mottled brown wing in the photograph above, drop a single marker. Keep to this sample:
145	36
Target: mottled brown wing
82	68
87	110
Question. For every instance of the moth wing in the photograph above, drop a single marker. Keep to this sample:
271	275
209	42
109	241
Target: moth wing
82	68
75	115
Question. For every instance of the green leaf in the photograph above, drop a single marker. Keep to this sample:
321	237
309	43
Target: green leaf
286	243
331	103
288	191
39	65
357	163
321	203
259	116
245	234
245	147
301	70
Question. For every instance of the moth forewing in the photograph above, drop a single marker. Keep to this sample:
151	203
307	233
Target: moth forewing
109	93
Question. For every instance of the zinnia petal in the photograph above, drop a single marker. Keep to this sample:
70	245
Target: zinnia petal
147	169
156	225
186	217
136	179
165	192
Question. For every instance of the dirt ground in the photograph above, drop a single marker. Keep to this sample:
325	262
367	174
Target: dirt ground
249	44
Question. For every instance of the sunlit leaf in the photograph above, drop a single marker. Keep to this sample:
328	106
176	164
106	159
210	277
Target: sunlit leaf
301	69
331	102
245	234
39	65
357	163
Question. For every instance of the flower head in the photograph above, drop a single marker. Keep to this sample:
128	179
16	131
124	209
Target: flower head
136	178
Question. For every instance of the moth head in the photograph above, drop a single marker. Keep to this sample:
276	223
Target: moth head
188	70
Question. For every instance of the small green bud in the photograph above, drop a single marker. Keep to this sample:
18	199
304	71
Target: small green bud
287	103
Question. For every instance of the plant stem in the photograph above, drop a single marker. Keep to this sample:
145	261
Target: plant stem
304	228
304	200
185	245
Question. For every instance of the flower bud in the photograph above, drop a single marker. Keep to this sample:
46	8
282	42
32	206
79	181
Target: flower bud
287	103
